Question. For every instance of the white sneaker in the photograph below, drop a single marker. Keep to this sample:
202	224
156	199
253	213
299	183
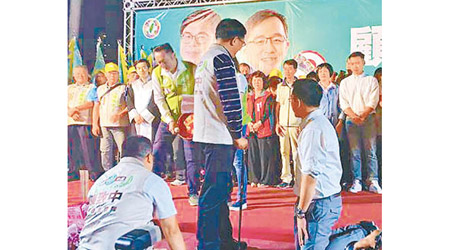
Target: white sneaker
235	206
177	183
356	187
193	200
375	187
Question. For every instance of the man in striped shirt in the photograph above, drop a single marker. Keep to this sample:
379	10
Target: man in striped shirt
217	127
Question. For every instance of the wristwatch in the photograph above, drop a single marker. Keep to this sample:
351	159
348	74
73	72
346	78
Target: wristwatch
299	213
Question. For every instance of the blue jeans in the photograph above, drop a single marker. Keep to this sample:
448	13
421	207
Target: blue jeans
241	175
185	156
362	138
165	151
241	168
342	236
192	157
321	216
213	225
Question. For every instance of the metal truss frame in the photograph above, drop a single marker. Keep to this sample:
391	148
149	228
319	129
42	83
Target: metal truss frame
131	6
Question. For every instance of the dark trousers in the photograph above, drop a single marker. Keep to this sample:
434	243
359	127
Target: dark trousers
264	160
344	151
165	151
214	226
83	150
183	153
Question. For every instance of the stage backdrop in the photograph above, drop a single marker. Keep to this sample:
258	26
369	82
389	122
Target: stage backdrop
315	30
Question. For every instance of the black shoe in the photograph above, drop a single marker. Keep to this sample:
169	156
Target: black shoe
233	245
350	246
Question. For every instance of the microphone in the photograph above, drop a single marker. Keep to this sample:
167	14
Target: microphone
140	238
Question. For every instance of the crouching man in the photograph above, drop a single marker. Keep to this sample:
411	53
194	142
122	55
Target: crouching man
125	197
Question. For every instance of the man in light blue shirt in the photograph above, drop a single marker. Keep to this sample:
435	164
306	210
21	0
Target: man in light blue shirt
319	203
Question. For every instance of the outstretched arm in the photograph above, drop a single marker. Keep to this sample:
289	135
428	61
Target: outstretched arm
172	233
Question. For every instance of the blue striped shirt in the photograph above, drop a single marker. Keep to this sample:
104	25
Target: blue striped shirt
225	73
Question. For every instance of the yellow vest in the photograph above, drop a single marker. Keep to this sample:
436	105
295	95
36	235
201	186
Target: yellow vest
77	96
174	91
112	103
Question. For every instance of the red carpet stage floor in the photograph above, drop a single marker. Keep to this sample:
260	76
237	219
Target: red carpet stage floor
267	223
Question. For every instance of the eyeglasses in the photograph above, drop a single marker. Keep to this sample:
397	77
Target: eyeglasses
242	41
276	40
200	38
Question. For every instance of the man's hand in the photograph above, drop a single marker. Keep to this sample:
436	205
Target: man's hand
241	143
95	130
172	233
250	127
366	113
172	128
339	126
115	118
72	111
76	116
357	120
138	119
280	130
302	231
257	125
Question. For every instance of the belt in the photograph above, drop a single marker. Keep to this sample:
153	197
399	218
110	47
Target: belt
328	197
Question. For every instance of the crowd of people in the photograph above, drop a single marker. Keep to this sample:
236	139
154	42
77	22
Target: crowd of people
244	119
149	107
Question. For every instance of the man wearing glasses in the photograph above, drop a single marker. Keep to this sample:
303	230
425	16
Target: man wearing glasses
218	131
197	34
267	40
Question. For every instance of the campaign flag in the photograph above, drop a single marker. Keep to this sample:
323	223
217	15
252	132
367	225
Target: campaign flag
99	59
142	54
74	57
122	62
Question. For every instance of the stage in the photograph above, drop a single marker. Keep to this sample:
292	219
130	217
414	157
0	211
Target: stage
267	223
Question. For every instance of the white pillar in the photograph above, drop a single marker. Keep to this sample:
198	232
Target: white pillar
74	17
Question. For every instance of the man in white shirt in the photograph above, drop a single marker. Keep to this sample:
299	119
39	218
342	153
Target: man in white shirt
126	197
143	112
358	97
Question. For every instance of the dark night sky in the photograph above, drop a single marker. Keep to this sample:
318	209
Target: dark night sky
100	17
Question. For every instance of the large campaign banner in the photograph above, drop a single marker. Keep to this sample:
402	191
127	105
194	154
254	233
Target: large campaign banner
310	31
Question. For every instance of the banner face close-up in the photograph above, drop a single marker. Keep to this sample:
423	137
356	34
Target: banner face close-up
311	32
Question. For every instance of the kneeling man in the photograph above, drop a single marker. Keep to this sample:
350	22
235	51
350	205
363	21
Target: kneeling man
125	197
